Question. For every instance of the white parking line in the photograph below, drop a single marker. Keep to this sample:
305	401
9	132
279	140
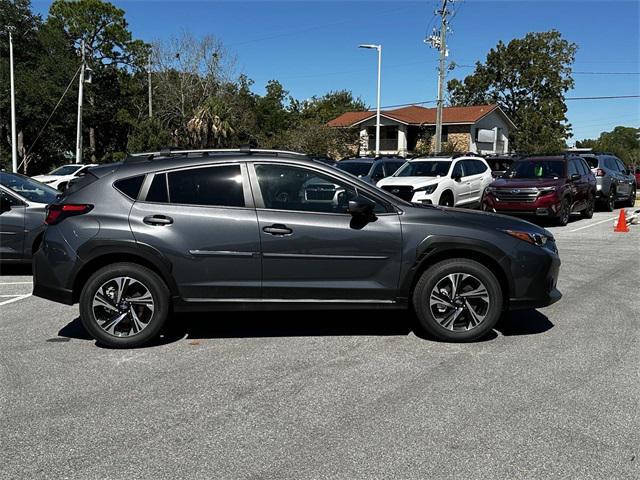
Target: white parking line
16	283
18	297
594	224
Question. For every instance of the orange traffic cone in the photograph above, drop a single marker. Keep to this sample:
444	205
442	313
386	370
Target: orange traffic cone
622	223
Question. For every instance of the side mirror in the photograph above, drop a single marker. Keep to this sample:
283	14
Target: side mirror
456	176
5	206
361	206
575	177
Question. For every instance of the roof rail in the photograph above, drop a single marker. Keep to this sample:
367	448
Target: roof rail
172	152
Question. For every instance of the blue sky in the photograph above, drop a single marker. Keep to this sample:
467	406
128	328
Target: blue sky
311	46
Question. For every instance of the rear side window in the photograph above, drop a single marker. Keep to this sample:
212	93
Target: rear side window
158	189
130	186
211	186
480	167
573	168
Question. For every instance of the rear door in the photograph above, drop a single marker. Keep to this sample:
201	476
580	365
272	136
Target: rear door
202	219
474	170
312	248
12	228
626	180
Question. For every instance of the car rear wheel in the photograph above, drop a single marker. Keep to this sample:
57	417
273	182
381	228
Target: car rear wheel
457	300
591	206
632	198
565	212
124	305
610	206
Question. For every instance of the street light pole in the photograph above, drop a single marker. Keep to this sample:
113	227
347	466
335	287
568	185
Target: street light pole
14	144
379	49
150	88
80	98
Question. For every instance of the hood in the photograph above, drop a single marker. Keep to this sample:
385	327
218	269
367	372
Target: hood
527	182
411	181
46	178
494	220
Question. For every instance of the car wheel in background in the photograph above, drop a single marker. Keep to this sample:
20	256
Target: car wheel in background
124	305
610	206
632	198
446	199
565	212
591	206
457	300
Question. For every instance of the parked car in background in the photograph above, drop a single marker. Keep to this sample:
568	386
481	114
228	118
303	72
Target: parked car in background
499	164
371	169
545	186
23	203
261	230
60	177
615	182
637	175
448	181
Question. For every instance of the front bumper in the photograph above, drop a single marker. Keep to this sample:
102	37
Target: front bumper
543	206
536	284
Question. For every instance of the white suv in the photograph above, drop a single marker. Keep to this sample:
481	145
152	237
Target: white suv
450	181
61	176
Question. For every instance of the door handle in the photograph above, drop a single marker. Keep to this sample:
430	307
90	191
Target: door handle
157	220
277	229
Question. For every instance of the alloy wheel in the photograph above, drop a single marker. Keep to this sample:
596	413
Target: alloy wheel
123	306
459	302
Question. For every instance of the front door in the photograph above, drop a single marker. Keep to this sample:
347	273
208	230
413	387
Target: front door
312	249
12	228
202	219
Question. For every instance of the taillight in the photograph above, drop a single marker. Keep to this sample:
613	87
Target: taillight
600	173
58	212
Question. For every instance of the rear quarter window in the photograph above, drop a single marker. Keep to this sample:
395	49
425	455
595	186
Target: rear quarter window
130	186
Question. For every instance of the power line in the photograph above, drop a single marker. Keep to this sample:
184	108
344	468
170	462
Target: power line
603	97
605	73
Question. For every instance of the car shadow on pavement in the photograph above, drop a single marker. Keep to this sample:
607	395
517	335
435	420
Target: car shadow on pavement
16	269
523	322
312	324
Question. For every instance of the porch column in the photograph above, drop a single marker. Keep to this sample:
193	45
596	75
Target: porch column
402	140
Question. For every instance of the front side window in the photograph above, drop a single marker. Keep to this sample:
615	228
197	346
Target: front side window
285	187
359	169
377	172
218	186
573	168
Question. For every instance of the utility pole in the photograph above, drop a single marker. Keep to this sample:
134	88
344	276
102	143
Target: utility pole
14	144
150	89
439	41
80	94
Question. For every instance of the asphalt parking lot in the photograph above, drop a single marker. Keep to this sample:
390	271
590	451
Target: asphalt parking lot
553	393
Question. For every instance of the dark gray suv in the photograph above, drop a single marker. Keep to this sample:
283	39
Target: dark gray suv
615	182
225	230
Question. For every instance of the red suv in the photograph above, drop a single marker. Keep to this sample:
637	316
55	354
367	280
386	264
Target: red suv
545	186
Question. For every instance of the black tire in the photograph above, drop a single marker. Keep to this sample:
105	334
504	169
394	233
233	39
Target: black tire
589	209
565	212
140	276
631	201
435	276
610	201
446	199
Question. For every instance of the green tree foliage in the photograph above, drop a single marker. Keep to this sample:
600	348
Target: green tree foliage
528	78
198	100
624	142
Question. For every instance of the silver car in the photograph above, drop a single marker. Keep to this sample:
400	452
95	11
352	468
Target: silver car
23	203
615	183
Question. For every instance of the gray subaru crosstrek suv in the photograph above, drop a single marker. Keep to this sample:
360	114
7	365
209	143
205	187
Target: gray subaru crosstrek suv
614	181
249	229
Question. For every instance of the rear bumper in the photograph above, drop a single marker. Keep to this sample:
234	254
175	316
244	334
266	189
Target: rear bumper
52	272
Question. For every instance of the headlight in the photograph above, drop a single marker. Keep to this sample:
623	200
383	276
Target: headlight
538	239
428	189
545	190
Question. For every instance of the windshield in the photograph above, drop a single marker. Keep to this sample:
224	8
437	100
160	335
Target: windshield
359	169
536	169
28	188
428	168
66	170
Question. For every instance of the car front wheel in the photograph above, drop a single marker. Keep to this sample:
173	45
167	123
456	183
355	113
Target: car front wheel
457	300
565	212
591	206
124	305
